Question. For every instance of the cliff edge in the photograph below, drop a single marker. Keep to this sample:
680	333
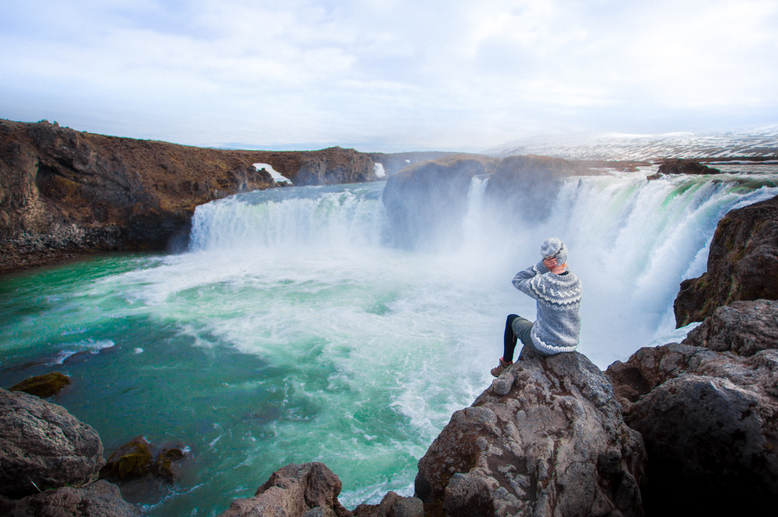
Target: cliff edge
64	192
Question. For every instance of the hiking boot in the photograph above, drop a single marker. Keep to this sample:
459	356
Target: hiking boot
496	371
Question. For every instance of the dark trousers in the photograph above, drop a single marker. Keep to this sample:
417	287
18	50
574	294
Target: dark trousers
516	327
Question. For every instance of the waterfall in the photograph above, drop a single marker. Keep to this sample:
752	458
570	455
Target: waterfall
300	328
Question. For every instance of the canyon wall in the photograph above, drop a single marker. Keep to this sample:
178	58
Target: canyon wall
64	192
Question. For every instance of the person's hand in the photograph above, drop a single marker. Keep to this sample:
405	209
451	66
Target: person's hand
549	262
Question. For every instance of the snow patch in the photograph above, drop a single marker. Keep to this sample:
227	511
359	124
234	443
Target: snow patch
277	177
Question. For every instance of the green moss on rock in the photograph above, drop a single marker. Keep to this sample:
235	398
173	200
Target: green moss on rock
43	386
131	460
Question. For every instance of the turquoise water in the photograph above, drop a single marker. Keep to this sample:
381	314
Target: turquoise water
293	330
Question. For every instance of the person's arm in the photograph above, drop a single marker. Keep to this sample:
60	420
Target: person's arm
523	279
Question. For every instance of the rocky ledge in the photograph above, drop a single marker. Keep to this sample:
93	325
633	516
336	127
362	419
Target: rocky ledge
547	438
742	264
64	192
707	409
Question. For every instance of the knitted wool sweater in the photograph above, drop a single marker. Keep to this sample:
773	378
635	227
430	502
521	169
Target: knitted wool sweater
558	325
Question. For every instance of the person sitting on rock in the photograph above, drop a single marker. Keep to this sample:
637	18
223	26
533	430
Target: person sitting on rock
558	294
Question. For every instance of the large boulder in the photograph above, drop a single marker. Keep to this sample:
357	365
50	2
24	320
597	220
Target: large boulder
43	446
293	491
708	411
744	328
546	439
98	499
742	264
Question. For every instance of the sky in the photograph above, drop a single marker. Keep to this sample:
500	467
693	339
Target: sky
388	75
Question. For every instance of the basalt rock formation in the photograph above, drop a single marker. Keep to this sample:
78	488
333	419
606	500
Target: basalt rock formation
742	264
528	185
429	199
546	439
708	411
64	192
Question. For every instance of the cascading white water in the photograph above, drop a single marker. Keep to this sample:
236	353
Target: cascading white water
631	241
294	330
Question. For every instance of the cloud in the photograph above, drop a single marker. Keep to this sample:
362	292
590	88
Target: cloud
416	74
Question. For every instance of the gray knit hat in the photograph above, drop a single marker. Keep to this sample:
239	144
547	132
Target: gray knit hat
553	247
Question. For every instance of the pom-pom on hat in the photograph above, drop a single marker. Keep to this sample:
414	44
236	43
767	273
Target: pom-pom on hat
553	247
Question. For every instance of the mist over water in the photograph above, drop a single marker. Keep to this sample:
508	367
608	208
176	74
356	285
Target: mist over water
295	329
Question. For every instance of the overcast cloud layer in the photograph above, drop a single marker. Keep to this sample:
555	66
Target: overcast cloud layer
387	74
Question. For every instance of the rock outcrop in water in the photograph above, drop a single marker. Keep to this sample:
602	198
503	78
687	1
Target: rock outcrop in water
42	386
742	264
64	192
429	199
309	490
528	185
676	166
547	438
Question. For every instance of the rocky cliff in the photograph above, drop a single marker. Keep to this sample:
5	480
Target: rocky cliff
742	264
546	439
707	408
430	198
64	192
708	412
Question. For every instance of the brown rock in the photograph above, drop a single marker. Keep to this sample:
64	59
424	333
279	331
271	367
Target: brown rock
744	328
709	417
98	499
292	491
64	192
132	460
742	264
43	386
43	446
139	458
685	166
392	505
553	443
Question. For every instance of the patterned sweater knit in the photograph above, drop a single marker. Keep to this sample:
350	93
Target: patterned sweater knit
558	325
